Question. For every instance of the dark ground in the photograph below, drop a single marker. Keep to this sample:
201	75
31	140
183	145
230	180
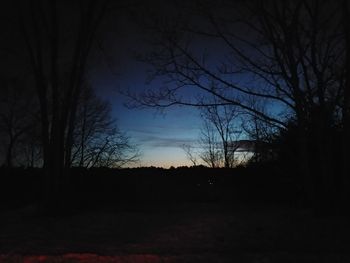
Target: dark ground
179	233
210	224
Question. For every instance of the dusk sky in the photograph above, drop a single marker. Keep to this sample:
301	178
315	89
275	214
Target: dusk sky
158	135
113	69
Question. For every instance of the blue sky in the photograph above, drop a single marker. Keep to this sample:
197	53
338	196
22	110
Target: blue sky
158	135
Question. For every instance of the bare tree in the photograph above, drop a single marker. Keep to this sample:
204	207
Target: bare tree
262	135
211	154
226	122
113	150
97	141
190	153
219	138
292	52
93	118
58	37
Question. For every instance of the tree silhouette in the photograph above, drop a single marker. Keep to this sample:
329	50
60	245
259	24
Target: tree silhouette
190	153
263	135
225	120
97	140
58	37
293	54
211	153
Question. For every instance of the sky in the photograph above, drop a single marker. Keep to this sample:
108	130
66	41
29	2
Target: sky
159	135
113	68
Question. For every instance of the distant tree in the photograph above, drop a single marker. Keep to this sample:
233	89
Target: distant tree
92	120
225	121
111	149
118	151
190	153
97	141
263	136
211	153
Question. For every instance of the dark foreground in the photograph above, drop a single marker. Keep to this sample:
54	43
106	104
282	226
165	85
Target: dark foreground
178	215
192	232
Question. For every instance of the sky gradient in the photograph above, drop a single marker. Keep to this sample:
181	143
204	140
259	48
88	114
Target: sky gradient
158	135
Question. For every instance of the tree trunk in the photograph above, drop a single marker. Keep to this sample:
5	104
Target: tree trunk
55	188
346	111
304	168
323	166
9	162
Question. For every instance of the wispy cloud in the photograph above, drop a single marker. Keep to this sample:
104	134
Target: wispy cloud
159	136
165	142
163	129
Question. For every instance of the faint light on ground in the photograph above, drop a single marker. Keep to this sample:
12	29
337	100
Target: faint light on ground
82	258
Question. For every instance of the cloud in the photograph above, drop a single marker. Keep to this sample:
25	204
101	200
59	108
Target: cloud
160	136
163	129
165	142
143	132
245	145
